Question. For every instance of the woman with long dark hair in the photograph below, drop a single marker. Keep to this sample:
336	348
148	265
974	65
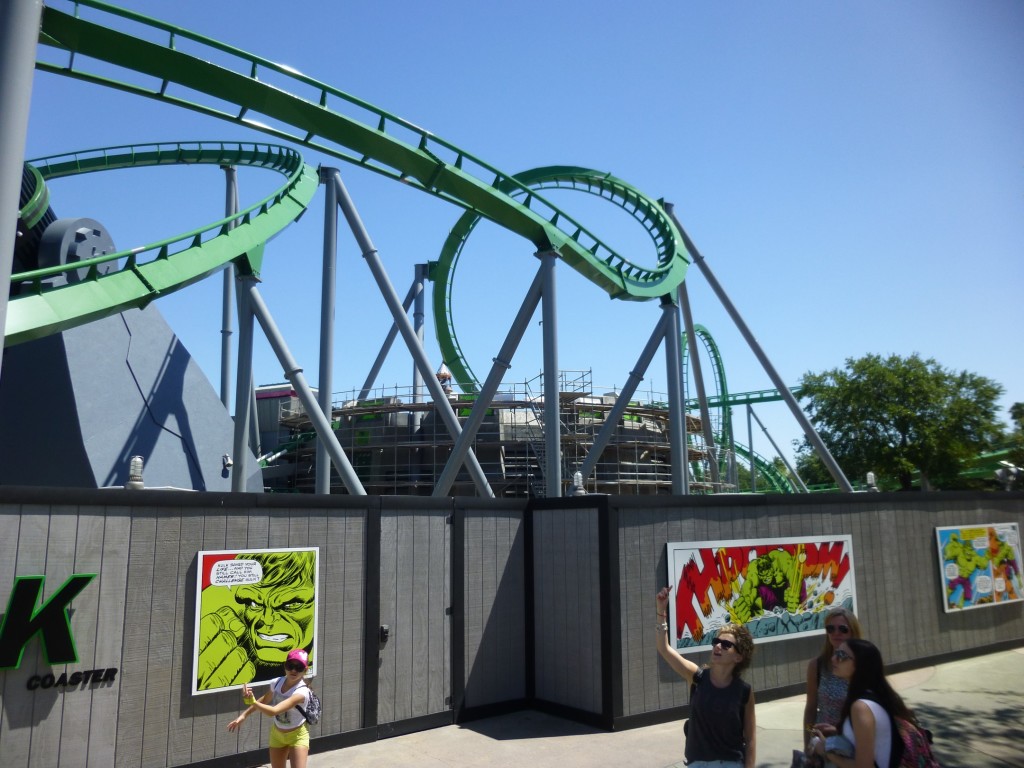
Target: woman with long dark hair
868	712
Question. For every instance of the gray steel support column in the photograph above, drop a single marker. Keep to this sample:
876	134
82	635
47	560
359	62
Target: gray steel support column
552	418
243	384
777	451
483	401
328	280
19	33
676	402
611	421
418	288
293	373
750	447
398	314
808	429
228	303
385	348
702	398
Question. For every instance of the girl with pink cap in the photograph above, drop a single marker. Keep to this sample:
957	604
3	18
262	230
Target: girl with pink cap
289	735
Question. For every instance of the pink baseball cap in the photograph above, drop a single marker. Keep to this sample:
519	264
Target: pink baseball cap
300	656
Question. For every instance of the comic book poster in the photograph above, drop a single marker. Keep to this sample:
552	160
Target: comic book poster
778	588
979	565
252	608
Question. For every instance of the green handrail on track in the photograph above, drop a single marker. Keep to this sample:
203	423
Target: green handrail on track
442	272
40	310
427	163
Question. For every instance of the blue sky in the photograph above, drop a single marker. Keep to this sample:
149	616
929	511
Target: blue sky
852	172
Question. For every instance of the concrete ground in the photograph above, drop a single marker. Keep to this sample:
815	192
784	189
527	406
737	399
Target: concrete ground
974	706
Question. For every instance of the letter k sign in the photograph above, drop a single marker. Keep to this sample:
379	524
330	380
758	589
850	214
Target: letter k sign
23	620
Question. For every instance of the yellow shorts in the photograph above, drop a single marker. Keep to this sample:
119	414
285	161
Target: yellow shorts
297	737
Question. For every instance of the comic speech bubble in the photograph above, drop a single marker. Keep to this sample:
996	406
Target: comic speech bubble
230	573
980	543
952	571
1000	585
984	584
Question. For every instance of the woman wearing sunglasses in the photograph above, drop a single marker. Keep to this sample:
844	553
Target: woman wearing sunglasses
289	736
721	730
826	692
866	715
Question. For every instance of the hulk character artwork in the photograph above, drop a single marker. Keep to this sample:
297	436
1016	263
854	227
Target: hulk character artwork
968	564
254	608
1006	577
772	581
777	588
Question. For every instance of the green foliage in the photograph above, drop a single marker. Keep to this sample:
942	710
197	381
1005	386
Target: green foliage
899	416
1016	436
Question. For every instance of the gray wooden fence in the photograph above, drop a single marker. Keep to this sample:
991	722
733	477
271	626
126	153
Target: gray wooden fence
491	605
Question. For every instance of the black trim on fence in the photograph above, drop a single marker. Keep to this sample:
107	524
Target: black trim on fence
611	635
655	717
497	709
414	724
371	615
593	719
529	617
457	628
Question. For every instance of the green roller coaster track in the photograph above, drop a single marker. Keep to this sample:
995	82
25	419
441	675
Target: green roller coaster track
649	213
160	268
342	126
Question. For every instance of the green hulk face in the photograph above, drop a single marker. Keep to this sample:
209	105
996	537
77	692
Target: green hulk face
278	611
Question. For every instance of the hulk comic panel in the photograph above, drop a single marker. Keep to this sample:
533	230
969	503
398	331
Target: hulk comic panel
246	631
745	582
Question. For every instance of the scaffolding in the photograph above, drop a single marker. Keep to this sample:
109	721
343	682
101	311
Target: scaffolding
399	447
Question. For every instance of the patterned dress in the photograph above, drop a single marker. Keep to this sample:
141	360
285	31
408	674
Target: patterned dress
831	695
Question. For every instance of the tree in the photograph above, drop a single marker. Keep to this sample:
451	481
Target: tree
895	416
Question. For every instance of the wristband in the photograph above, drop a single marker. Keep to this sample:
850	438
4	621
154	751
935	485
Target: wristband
250	700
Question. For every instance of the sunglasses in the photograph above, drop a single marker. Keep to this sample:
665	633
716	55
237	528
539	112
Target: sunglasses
840	628
841	655
293	666
727	645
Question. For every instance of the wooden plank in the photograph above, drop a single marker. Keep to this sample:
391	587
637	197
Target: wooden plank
179	734
104	704
138	600
211	712
60	555
75	712
353	620
160	621
424	609
439	604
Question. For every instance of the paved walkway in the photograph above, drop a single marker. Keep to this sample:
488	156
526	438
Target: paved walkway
974	706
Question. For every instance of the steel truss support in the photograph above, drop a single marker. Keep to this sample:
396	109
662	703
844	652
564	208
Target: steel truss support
483	401
676	401
405	327
293	373
750	412
19	33
385	348
552	417
808	429
228	303
243	387
702	398
622	401
328	282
